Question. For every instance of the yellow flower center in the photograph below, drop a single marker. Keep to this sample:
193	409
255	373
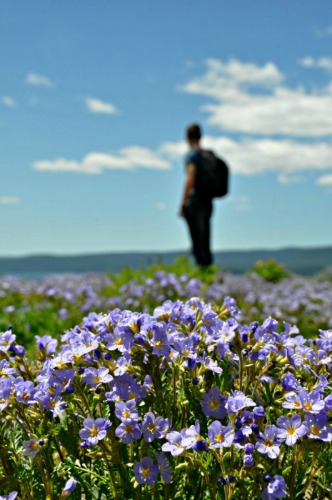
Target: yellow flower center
94	431
152	427
315	430
291	430
158	343
213	404
145	472
308	406
219	438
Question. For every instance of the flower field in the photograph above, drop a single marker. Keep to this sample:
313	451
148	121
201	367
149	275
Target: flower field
167	383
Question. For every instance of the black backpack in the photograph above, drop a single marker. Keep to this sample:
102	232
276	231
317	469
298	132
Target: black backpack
212	176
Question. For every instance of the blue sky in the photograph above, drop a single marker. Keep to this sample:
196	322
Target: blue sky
95	98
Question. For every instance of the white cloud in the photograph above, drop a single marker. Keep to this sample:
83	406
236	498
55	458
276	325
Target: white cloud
324	32
289	179
130	158
8	101
9	200
98	106
250	99
322	62
173	150
250	156
38	80
241	203
65	165
324	180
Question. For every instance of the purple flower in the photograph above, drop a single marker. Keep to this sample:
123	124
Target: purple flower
191	435
231	305
220	436
55	404
159	340
18	350
185	347
311	401
25	392
175	444
31	448
146	471
120	340
63	313
94	430
258	412
237	402
128	431
291	429
11	496
249	449
152	427
125	387
267	443
122	363
317	426
6	369
126	411
6	340
94	377
275	489
210	364
213	403
164	467
5	393
293	401
61	380
248	460
68	489
46	343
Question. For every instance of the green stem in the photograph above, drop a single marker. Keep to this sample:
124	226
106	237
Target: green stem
102	479
174	397
207	479
112	476
295	461
241	370
46	482
58	448
167	493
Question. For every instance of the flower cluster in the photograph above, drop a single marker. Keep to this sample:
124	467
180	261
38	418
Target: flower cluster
187	399
56	303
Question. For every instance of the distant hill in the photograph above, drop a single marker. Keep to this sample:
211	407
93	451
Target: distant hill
306	261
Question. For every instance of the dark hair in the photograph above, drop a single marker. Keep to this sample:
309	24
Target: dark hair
194	132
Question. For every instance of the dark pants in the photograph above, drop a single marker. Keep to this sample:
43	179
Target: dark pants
197	215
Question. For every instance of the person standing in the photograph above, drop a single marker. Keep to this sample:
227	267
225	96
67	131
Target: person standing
196	208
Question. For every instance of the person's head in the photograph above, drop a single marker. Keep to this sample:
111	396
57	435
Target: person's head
193	134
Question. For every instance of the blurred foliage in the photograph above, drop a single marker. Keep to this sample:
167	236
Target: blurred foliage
270	270
55	304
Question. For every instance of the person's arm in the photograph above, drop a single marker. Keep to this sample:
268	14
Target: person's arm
189	185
